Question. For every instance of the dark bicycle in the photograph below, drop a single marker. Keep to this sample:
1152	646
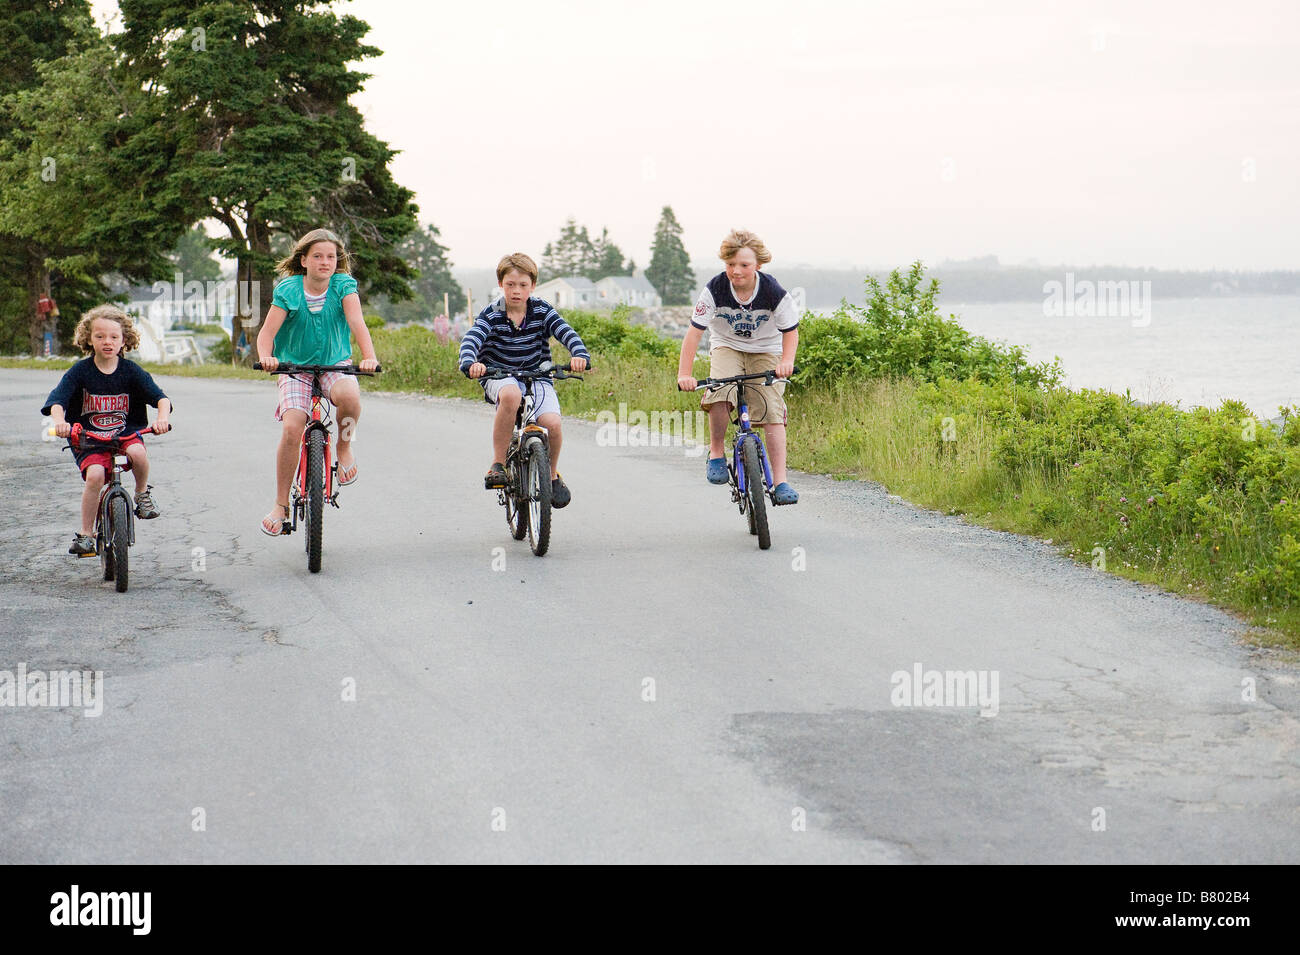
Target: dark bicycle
749	471
313	484
527	492
115	514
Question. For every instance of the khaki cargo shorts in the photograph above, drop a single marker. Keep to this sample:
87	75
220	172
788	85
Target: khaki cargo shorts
766	403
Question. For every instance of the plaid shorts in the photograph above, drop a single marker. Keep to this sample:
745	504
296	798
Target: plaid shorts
295	390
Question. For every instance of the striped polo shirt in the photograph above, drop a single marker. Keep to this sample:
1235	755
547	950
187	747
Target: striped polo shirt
494	340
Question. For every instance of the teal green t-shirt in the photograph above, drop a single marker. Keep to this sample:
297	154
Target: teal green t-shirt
307	338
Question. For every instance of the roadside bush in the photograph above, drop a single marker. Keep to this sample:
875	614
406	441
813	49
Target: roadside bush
899	333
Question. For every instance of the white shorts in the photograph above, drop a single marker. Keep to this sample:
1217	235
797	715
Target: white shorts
545	400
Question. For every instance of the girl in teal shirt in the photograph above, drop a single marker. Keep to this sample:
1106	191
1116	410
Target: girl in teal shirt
313	310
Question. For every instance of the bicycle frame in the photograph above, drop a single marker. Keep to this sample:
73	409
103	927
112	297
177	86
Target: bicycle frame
320	421
113	489
746	433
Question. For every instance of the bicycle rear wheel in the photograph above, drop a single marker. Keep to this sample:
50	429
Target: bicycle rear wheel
537	483
516	513
120	530
754	490
315	497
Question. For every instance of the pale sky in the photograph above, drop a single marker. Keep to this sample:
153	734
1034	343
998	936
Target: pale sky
1158	133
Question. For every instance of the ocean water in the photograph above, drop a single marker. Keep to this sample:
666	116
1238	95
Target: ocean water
1194	351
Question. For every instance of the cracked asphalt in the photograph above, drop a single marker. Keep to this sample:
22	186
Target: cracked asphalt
656	689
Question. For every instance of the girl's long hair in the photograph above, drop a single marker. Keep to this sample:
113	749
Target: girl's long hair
291	264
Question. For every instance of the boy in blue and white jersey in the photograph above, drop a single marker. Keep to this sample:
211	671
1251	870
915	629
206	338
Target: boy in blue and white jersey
514	332
753	328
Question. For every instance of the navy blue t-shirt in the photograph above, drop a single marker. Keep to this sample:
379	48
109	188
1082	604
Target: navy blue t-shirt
105	404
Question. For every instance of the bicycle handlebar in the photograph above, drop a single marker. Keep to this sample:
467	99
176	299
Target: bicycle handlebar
704	383
546	370
287	368
80	435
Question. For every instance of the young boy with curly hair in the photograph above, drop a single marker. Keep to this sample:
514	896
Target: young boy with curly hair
106	394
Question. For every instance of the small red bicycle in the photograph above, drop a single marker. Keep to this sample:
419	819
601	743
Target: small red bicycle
313	485
115	516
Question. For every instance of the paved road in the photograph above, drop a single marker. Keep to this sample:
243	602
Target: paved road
506	714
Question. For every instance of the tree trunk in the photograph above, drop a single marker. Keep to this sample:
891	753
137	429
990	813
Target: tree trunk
37	279
259	240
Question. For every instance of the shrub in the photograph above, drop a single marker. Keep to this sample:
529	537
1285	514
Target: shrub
899	333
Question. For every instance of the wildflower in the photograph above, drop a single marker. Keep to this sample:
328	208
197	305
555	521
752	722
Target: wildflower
1151	500
1123	500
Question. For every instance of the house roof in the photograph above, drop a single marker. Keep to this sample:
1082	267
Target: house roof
573	281
630	283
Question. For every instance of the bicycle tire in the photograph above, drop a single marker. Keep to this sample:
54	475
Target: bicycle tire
315	497
516	506
537	484
120	527
754	489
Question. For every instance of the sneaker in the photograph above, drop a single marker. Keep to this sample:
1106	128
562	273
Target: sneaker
144	506
783	493
496	476
717	472
560	495
83	545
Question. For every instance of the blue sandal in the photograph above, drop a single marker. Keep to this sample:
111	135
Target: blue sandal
783	493
717	471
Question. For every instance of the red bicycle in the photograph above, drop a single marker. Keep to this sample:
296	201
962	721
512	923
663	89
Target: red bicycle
313	485
115	516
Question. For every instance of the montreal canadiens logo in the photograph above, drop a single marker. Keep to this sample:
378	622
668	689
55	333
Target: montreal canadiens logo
109	421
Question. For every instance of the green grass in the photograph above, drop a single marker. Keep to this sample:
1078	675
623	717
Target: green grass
154	368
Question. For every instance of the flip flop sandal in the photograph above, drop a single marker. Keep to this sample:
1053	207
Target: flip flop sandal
344	482
284	524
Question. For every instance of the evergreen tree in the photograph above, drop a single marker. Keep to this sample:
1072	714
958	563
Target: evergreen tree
252	126
670	269
428	257
192	256
72	207
571	254
607	259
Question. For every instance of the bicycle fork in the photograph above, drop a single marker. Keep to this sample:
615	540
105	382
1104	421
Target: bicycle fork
739	485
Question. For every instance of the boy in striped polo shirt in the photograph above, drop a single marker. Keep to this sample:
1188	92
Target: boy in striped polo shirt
514	332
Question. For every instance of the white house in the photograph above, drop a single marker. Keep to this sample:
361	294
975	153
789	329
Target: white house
633	290
572	291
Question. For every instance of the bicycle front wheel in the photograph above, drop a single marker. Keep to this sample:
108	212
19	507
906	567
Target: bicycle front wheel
103	542
120	531
754	490
537	482
315	497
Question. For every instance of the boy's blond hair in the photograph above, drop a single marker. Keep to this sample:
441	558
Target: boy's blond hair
291	264
130	337
517	260
739	239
